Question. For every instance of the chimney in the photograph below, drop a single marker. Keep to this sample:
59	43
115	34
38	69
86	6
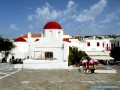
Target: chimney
29	36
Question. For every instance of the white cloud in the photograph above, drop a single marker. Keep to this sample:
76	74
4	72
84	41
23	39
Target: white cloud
92	13
70	16
13	27
30	17
71	7
48	13
69	12
70	4
112	16
45	13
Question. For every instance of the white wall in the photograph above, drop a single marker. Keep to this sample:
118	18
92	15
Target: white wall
66	51
44	64
57	52
48	44
93	45
21	50
53	33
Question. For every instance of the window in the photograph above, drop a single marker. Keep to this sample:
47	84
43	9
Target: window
88	43
103	45
98	44
48	54
107	47
50	33
112	45
59	34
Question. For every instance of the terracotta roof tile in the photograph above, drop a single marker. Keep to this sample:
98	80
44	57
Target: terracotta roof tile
66	40
32	35
36	35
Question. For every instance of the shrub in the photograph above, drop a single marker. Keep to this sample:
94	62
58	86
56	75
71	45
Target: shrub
75	56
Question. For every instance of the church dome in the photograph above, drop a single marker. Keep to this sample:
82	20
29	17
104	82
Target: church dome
52	25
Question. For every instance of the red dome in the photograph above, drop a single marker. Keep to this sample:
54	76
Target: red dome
19	40
52	25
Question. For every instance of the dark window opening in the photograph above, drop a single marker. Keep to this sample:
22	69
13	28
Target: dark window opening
98	44
112	45
107	46
88	44
118	43
48	54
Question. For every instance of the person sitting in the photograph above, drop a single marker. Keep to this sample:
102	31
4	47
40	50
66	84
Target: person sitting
92	69
81	67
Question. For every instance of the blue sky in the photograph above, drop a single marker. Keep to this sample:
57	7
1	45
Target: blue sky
77	17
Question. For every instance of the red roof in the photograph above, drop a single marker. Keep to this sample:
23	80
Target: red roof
19	40
52	25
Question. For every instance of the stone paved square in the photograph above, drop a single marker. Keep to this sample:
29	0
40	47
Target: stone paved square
58	79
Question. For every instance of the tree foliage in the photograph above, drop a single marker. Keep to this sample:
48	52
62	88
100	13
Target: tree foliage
115	53
75	55
6	45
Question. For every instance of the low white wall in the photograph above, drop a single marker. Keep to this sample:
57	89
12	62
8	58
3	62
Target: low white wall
105	71
45	64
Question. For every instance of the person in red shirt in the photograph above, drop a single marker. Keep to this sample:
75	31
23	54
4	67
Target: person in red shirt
88	65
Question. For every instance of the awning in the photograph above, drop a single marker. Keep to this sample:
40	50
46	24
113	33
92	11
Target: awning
96	53
99	55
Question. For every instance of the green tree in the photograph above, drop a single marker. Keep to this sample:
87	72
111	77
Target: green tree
6	45
75	55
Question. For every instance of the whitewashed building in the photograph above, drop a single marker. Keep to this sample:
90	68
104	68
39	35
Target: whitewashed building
97	48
